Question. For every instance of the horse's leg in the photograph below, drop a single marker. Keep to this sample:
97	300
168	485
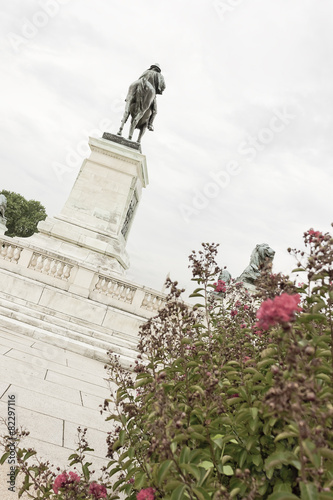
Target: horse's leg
135	121
142	131
123	121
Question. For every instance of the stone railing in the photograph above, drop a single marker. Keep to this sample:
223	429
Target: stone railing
152	302
78	279
52	267
10	252
115	289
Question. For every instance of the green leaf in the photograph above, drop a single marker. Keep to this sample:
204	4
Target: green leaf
184	455
206	465
285	435
163	470
326	452
172	485
227	470
279	458
309	491
4	457
177	494
281	495
29	454
140	480
201	493
85	470
191	469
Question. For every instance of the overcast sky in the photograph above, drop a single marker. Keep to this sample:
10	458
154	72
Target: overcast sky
242	148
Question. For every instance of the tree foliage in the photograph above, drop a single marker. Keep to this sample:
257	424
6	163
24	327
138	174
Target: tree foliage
22	215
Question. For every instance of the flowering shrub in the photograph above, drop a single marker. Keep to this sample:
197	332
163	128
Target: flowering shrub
146	494
279	310
40	481
64	480
220	286
229	399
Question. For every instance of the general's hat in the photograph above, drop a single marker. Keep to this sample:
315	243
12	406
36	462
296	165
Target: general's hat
157	66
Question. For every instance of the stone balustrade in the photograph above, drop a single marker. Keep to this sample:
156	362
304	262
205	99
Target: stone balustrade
80	280
115	289
152	302
50	266
10	251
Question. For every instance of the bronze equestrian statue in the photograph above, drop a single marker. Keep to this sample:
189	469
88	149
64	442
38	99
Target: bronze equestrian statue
141	101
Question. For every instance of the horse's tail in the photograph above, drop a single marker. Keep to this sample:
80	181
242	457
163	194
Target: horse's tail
145	94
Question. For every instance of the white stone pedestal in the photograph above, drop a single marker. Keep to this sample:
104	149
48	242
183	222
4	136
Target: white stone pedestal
94	223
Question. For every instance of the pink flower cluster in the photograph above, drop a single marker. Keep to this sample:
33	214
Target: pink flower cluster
63	479
146	494
220	286
314	236
233	313
279	310
97	490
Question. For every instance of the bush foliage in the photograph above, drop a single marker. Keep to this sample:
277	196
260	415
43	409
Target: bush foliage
225	401
22	215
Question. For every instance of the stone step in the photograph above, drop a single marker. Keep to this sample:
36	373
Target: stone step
65	337
43	313
77	346
53	322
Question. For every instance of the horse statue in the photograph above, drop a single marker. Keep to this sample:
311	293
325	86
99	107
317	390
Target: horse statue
141	101
3	205
261	259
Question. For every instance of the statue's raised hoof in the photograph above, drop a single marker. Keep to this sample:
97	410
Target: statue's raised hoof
119	133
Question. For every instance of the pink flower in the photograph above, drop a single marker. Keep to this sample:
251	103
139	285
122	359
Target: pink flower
220	286
238	303
246	358
314	236
97	490
243	325
233	313
74	477
236	395
246	307
146	494
63	479
279	310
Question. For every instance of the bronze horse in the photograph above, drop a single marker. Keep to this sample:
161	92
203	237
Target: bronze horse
140	105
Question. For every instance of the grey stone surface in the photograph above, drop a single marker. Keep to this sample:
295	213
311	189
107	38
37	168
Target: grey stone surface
121	140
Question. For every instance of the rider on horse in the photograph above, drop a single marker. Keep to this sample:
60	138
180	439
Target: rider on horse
150	83
155	77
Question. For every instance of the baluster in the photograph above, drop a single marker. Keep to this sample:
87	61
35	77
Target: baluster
17	254
67	271
33	261
46	265
98	284
39	264
4	250
53	267
10	252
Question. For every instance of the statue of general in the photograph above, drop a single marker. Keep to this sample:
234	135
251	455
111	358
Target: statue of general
141	101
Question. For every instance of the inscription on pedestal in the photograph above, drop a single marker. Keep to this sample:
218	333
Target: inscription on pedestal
129	215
